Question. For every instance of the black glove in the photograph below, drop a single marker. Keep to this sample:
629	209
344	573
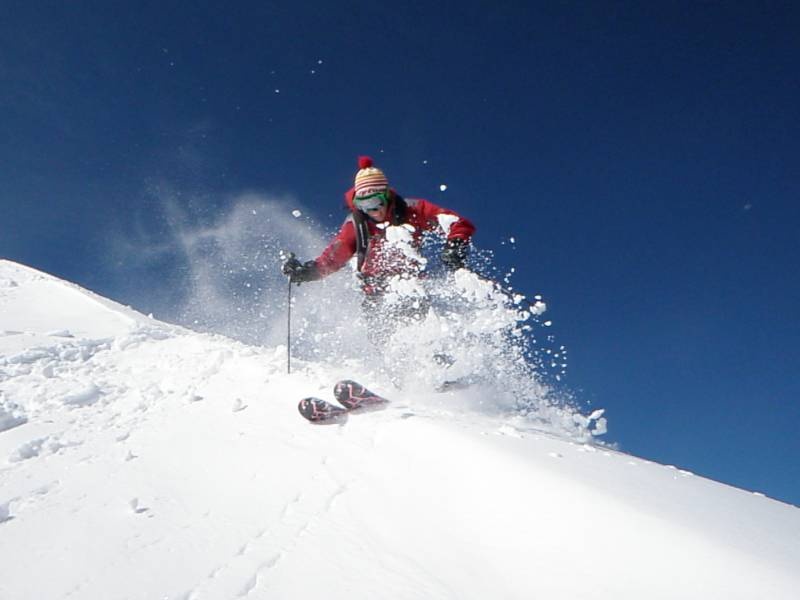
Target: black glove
300	272
454	253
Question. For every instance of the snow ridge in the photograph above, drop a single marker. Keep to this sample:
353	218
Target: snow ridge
143	460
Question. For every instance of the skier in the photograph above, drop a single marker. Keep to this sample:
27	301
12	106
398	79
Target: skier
374	207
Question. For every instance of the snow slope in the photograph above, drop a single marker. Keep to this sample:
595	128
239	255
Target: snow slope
141	460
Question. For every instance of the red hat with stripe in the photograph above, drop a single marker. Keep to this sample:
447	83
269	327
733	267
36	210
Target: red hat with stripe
369	179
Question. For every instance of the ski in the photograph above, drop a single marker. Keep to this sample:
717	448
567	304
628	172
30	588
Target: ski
316	410
353	395
350	394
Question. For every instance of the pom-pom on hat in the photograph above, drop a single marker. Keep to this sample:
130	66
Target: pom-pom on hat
369	179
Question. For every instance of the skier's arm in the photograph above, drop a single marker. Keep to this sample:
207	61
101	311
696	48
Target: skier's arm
339	251
459	232
460	229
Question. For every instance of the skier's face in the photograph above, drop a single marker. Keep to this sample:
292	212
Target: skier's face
374	203
378	214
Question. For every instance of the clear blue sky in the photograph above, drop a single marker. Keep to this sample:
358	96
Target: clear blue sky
644	155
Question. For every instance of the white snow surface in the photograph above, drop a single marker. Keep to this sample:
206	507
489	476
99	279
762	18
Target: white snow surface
140	460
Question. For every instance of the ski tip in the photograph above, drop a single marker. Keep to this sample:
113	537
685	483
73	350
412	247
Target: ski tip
316	410
353	395
343	386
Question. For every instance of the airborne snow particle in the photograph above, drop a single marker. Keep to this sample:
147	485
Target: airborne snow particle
442	187
296	213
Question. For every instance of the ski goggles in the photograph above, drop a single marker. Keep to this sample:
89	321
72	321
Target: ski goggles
371	202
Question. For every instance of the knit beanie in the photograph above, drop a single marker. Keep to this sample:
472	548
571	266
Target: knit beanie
369	179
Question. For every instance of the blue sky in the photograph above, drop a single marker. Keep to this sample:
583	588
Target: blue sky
644	156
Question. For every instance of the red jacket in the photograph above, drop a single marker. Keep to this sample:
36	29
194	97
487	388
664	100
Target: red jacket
420	214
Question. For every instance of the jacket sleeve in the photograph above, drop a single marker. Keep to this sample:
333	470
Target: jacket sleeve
460	227
339	251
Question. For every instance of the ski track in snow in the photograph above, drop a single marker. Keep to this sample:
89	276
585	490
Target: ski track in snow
247	570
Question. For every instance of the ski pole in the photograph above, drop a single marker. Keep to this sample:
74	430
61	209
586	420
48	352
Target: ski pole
289	330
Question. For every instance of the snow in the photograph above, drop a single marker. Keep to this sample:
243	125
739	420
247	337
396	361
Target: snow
446	221
144	460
